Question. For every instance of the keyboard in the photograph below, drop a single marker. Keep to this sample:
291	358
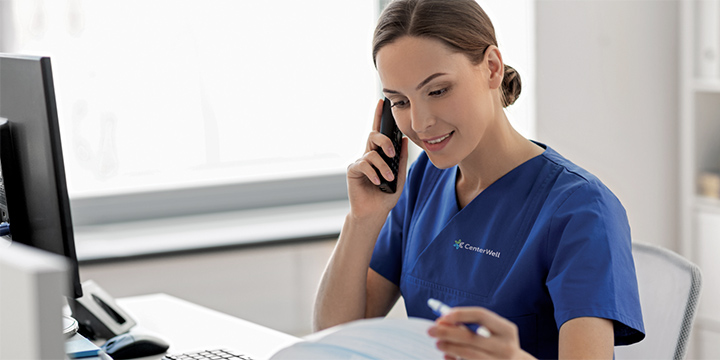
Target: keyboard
218	354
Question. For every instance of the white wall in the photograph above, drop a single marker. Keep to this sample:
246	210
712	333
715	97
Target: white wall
608	98
270	285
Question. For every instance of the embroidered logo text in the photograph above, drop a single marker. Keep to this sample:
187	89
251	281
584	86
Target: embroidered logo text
459	244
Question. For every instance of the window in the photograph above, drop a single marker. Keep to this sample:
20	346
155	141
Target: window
192	100
167	94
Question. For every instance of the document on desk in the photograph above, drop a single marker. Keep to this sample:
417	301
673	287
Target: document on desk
367	339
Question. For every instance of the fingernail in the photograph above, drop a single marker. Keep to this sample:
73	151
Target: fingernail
389	175
391	152
376	180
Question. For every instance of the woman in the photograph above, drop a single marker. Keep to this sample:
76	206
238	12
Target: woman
506	230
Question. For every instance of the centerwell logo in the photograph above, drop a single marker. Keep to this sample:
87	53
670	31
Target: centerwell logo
459	244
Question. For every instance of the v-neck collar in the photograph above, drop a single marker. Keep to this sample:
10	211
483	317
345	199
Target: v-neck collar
510	175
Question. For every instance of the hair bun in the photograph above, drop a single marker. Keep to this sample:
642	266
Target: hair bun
511	86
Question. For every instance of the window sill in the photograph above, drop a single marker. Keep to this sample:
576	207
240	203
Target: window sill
197	232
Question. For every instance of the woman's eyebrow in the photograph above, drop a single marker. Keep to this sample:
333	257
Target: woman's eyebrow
422	83
429	79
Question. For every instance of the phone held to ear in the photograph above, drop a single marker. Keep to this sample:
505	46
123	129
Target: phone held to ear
389	128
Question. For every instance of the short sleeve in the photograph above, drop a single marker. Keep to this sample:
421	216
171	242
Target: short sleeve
592	272
387	256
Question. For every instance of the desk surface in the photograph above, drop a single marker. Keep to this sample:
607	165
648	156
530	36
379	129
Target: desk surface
189	327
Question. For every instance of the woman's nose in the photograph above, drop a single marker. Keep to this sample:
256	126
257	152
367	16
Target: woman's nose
421	119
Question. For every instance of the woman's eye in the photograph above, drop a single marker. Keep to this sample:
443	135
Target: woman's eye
400	104
438	92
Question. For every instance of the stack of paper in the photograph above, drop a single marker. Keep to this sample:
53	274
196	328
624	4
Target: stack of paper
368	339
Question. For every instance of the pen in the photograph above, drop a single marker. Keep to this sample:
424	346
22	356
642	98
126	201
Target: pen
440	309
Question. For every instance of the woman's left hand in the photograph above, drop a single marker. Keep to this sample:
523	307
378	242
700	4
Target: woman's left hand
458	342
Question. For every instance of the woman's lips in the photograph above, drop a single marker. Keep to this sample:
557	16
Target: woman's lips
437	143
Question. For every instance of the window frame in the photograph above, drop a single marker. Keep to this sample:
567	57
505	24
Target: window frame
140	206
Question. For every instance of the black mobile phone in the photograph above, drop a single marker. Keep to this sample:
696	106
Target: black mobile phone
389	128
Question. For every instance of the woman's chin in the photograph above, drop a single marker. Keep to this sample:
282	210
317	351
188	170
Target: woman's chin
441	162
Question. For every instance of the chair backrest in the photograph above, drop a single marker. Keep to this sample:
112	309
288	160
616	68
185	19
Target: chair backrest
669	288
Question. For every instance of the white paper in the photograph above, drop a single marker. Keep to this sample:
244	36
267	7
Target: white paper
367	339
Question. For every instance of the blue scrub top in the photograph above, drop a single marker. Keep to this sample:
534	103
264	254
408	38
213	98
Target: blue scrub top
545	243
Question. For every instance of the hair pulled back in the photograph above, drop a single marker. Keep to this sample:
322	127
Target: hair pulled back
460	24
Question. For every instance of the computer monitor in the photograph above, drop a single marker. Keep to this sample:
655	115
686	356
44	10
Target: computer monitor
33	191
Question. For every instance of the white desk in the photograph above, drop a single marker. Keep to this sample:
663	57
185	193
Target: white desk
188	327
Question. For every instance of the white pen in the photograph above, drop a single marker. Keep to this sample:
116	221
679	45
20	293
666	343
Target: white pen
440	309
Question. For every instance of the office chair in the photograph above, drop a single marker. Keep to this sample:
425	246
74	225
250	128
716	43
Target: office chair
669	287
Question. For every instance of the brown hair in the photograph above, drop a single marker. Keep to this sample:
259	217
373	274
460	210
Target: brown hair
460	24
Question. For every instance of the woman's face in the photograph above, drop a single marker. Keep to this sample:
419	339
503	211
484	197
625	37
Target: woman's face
441	100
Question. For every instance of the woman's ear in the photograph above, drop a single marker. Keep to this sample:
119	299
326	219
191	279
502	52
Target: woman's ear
495	65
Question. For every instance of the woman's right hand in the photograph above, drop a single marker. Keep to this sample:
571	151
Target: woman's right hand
366	199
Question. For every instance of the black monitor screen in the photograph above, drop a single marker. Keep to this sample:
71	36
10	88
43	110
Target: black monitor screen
35	201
